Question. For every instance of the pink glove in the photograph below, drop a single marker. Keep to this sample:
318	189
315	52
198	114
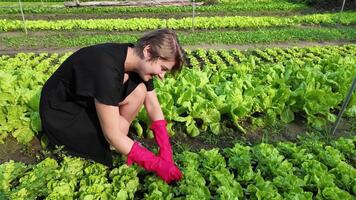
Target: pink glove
146	159
162	138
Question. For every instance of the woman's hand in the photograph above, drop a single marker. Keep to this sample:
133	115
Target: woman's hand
146	159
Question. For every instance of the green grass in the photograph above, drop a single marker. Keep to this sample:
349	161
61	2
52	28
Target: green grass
267	35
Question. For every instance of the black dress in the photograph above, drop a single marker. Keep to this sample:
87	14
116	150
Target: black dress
67	108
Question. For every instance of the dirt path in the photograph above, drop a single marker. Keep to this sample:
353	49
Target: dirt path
204	46
66	16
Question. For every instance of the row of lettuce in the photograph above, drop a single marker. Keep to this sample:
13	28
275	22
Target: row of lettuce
310	170
141	24
13	8
256	87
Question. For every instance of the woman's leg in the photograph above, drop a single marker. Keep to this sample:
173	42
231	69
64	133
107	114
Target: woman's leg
132	104
128	110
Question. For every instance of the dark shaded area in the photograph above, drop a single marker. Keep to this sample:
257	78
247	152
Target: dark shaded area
328	5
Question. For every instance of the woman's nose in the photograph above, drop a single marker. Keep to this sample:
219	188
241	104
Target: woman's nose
161	75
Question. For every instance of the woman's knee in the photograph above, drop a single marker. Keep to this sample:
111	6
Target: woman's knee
140	92
137	96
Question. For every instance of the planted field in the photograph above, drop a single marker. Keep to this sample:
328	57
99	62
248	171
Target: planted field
141	24
258	86
285	170
249	115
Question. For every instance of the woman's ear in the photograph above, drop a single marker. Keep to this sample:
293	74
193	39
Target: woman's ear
146	52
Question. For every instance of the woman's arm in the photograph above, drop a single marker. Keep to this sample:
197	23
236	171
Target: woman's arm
115	132
159	126
153	106
114	127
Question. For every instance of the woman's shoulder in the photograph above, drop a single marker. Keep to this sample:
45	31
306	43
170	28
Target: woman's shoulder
104	47
111	46
103	52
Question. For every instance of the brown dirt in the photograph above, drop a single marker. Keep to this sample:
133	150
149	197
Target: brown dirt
346	125
12	150
150	15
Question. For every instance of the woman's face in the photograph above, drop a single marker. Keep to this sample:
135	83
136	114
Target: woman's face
157	68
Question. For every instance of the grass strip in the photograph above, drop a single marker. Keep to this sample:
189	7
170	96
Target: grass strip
267	35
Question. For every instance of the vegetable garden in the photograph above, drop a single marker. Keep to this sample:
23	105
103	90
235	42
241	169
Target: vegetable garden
264	171
226	102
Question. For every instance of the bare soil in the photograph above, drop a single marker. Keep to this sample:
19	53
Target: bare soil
12	150
162	15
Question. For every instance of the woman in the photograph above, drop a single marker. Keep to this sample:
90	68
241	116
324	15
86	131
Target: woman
90	101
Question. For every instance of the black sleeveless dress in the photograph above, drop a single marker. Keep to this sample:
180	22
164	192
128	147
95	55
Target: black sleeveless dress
67	108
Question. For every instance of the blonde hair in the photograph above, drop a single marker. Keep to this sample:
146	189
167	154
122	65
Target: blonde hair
163	44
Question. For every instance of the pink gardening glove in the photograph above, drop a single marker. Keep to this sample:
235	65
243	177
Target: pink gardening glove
146	159
162	139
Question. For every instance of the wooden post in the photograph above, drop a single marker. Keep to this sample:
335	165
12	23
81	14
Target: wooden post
193	4
343	4
344	105
77	3
23	17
